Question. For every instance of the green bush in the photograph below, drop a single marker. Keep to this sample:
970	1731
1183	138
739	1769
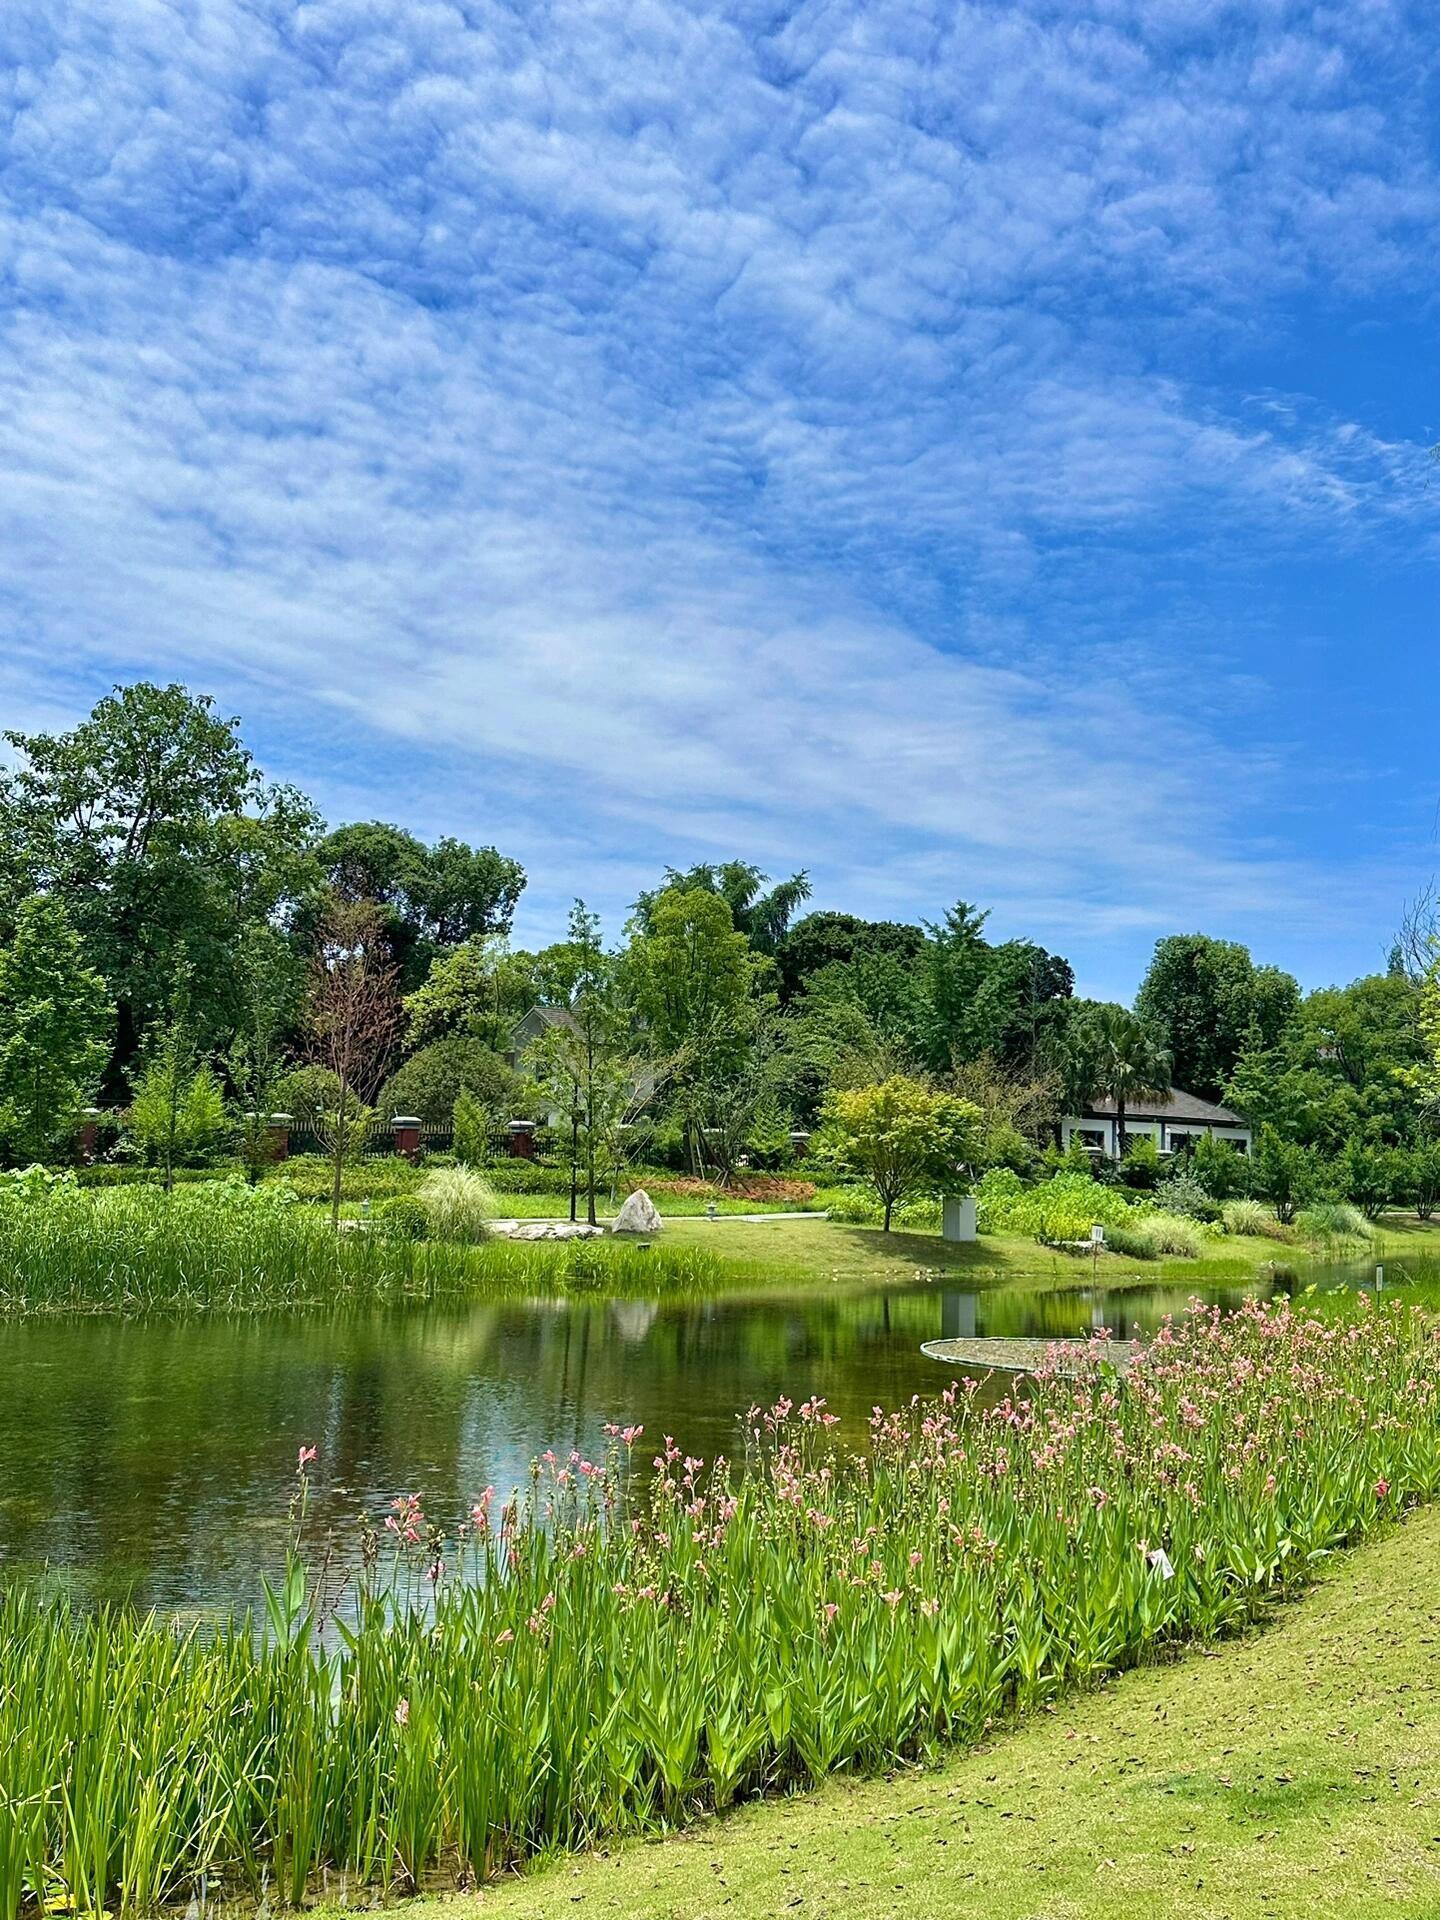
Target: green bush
1063	1208
432	1080
1141	1168
1224	1173
377	1177
303	1091
1182	1193
109	1173
402	1217
458	1205
472	1130
857	1206
527	1176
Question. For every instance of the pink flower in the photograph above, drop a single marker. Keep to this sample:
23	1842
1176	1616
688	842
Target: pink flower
402	1713
305	1456
1382	1487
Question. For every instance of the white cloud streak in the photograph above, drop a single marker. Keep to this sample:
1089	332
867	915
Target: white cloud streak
701	430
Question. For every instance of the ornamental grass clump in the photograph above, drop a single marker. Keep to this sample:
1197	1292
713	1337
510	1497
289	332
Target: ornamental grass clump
613	1651
458	1204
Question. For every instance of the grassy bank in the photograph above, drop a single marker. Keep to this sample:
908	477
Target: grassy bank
1289	1772
808	1251
600	1662
227	1249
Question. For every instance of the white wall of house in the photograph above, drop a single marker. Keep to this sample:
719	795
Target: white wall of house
1097	1131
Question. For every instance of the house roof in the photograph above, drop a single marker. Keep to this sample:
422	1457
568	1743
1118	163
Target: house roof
546	1017
1174	1105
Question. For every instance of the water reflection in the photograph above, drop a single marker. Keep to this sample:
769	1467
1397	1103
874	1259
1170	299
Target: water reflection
153	1458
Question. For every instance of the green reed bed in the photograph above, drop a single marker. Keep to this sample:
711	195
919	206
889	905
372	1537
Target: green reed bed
608	1653
228	1247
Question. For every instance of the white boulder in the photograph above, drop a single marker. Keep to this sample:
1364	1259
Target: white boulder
638	1215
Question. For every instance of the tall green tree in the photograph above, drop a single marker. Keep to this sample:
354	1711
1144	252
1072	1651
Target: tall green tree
585	1063
690	976
484	986
54	1028
271	979
431	898
177	1111
1203	998
821	940
1129	1063
154	828
759	908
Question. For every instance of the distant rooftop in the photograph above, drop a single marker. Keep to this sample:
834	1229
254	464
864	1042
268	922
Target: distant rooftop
1174	1105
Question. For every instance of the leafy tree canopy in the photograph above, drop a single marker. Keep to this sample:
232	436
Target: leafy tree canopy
822	939
1203	997
430	1081
902	1137
434	897
154	828
758	909
54	1028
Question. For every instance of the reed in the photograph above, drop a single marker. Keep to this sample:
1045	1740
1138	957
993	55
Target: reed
608	1652
226	1247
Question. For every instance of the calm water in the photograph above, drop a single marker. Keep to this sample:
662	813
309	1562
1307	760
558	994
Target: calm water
154	1458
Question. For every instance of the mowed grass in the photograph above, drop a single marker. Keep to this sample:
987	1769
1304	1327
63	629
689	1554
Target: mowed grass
802	1251
1293	1773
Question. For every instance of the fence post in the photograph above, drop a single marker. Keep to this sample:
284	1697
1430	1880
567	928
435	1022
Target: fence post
799	1144
406	1128
277	1127
89	1138
522	1139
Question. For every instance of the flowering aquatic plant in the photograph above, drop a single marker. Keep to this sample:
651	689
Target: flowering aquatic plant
609	1649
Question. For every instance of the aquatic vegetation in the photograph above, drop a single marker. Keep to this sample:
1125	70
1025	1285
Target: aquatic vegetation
610	1652
226	1246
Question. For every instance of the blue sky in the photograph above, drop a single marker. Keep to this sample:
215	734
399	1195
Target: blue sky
963	450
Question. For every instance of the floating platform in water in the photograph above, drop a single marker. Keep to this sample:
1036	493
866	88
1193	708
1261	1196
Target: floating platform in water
1029	1355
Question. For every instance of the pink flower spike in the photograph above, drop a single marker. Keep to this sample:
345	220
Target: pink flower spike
305	1456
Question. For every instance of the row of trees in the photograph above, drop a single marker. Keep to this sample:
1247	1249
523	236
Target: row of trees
178	933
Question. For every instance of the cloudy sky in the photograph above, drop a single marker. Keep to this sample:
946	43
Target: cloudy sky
963	450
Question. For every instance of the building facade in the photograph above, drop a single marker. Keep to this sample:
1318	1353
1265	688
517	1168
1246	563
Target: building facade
1174	1122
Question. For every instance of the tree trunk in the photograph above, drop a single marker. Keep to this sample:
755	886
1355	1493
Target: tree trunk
1119	1127
574	1165
889	1209
337	1175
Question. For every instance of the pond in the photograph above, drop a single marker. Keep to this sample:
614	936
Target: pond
153	1459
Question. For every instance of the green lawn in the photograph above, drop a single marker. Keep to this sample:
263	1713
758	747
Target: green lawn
1293	1773
808	1250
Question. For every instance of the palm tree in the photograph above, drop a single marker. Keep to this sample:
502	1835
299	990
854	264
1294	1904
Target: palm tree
1129	1063
760	911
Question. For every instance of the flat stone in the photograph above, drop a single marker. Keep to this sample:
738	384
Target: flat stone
1077	1356
547	1230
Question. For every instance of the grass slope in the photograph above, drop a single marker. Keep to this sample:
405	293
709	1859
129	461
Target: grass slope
1295	1772
804	1251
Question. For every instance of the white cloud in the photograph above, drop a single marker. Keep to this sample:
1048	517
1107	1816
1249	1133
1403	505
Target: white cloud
674	430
